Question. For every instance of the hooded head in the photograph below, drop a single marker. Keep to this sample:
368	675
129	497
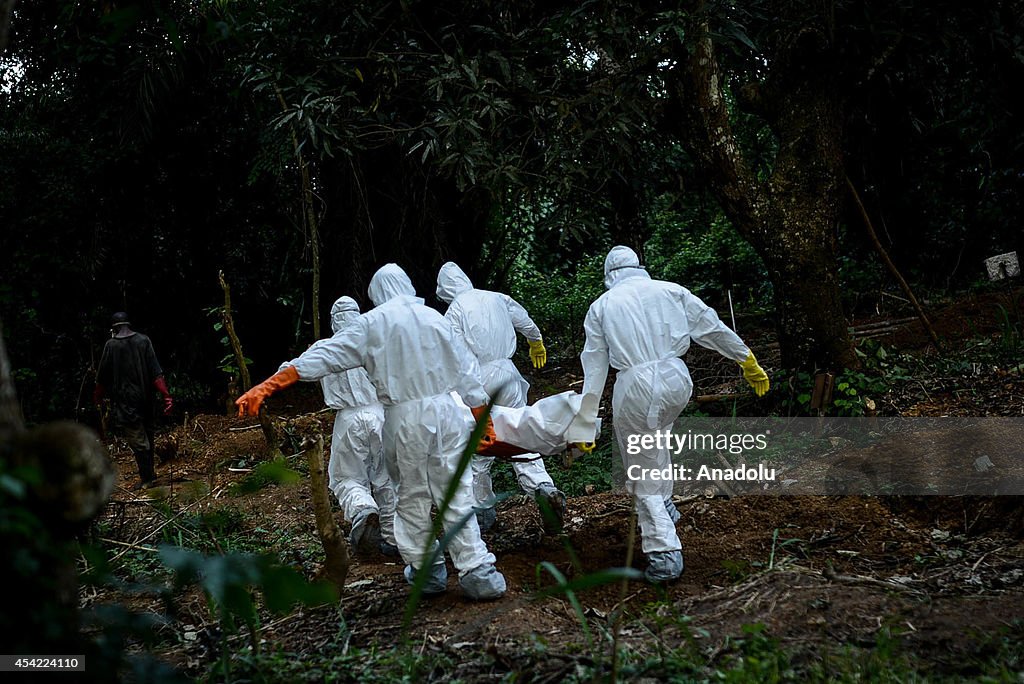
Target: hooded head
621	263
344	311
451	282
388	282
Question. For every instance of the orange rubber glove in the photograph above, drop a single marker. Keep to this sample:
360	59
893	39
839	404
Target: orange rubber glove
249	403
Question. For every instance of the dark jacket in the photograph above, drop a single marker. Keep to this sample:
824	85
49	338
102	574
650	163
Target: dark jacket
127	370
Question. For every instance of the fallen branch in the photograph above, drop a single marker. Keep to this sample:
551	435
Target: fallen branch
895	323
679	500
707	398
984	556
830	574
138	547
615	511
891	266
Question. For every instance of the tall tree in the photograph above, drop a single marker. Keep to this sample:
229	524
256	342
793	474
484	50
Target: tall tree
790	214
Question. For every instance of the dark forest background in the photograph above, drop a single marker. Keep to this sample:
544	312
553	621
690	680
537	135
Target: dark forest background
145	146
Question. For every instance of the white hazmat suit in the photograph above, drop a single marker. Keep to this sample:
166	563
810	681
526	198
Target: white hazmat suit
357	473
488	322
641	327
419	368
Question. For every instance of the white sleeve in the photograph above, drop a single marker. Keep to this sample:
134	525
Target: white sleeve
707	330
315	345
333	355
470	386
454	317
594	358
521	320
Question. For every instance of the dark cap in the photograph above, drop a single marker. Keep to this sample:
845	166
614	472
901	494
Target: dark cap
119	318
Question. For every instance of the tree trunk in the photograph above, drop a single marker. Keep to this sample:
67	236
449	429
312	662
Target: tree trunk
309	216
813	332
804	195
789	218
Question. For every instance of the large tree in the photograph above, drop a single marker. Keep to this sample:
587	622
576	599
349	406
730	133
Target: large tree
790	214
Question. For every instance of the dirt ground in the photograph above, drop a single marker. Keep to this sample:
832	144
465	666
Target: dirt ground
941	574
827	571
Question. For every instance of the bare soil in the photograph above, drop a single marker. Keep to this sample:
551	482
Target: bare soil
945	575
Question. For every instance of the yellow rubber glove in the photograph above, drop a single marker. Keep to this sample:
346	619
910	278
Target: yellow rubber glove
755	375
538	354
249	403
585	447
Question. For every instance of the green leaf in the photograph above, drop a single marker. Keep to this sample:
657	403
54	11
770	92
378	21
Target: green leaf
594	579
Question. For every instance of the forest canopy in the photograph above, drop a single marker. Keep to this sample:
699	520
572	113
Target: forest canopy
297	146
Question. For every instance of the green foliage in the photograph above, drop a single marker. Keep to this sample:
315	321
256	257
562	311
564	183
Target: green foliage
264	475
32	615
757	658
699	249
589	474
344	663
737	569
569	589
227	581
222	530
861	274
558	302
881	371
229	363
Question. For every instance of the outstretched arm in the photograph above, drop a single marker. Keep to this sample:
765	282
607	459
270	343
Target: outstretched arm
332	355
324	357
707	330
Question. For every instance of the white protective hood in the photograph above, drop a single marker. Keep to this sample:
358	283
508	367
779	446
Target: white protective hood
343	312
388	282
451	282
620	264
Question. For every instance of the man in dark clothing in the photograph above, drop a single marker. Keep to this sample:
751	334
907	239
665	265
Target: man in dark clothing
127	375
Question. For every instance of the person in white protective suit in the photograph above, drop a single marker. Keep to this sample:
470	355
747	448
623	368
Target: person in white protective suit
488	322
356	471
641	327
421	371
